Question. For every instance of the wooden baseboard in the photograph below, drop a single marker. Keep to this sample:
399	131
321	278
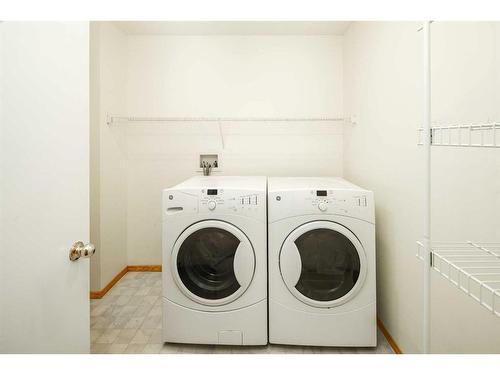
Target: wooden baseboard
101	293
390	340
144	268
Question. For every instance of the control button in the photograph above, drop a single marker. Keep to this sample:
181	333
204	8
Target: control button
322	206
363	201
212	205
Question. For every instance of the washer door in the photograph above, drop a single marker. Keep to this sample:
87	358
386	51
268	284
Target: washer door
213	262
323	264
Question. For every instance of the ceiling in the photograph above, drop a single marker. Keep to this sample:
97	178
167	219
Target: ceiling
233	27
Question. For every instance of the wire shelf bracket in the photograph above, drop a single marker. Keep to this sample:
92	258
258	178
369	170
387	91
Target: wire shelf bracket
472	267
473	135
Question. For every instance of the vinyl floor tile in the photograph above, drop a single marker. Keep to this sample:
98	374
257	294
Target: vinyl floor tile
127	320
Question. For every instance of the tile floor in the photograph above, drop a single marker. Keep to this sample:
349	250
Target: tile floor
128	320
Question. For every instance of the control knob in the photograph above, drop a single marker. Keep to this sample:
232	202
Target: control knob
212	205
322	206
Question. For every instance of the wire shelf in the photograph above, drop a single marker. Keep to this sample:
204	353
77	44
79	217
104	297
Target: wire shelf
472	267
474	135
111	119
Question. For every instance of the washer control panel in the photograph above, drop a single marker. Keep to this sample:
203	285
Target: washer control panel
235	201
216	201
230	201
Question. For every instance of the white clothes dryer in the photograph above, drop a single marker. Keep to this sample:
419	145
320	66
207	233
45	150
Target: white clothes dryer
322	285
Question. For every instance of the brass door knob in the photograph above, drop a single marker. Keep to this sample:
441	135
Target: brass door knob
81	250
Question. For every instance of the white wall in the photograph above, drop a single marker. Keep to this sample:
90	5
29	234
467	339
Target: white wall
108	161
155	75
382	84
225	76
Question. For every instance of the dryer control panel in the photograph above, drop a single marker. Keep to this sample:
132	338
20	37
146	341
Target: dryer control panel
323	199
347	202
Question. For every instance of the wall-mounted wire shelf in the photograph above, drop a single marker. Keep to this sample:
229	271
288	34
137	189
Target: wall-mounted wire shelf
131	119
472	267
473	135
115	119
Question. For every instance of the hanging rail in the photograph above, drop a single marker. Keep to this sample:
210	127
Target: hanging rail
125	119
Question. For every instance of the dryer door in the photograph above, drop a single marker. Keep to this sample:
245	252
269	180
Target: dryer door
213	262
323	264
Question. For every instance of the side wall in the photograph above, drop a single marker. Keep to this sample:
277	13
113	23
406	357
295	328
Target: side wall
383	86
108	161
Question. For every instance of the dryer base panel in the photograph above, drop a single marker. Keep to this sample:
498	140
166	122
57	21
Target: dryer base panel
293	327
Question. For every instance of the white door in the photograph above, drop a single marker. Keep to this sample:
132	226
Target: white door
44	187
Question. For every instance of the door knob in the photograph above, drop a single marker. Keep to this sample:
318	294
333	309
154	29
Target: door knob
80	250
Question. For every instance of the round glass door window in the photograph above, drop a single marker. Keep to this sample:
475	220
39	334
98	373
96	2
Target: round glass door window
322	263
205	263
330	265
213	262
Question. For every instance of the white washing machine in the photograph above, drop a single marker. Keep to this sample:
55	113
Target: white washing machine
321	263
215	261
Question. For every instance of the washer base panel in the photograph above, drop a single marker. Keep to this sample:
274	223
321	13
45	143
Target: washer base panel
247	326
355	328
